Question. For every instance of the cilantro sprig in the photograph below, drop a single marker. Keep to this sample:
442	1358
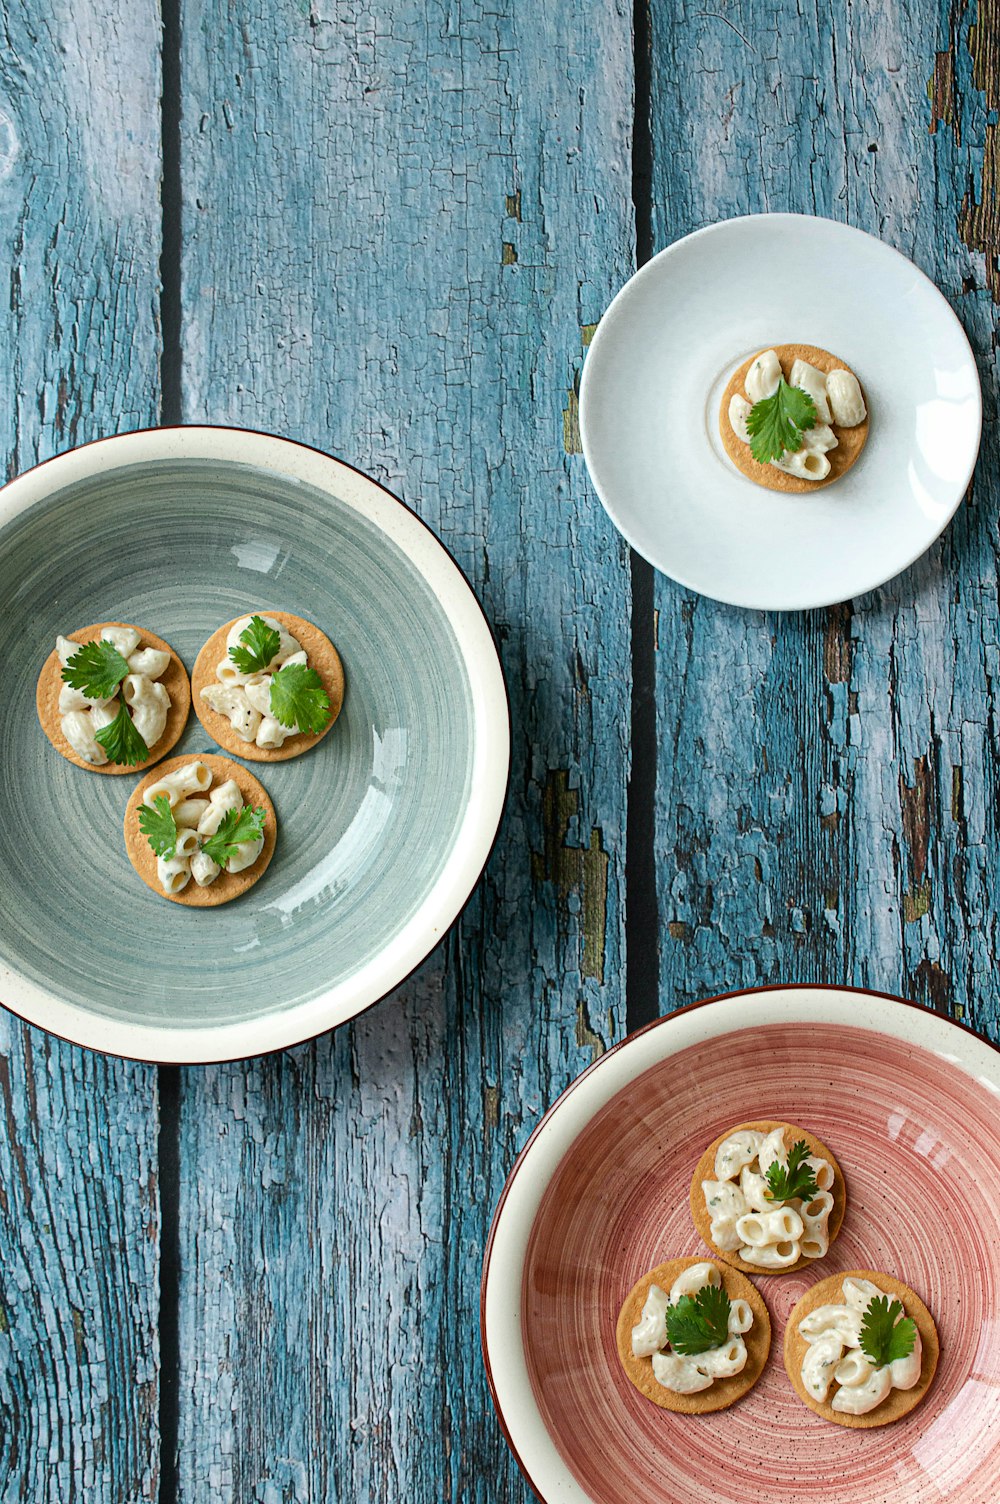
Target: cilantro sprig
158	825
236	827
259	645
795	1181
96	669
776	423
698	1322
299	699
884	1337
121	741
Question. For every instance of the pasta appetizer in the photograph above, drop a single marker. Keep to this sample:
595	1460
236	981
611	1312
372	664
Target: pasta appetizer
793	418
861	1349
200	831
693	1337
768	1197
268	687
113	698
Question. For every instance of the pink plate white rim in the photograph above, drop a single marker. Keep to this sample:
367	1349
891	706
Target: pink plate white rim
500	1308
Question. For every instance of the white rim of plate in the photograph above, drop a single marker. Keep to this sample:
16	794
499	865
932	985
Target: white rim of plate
646	271
500	1306
491	752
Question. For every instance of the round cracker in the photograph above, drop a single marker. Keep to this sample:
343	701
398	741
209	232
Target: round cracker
175	681
323	657
228	885
724	1392
898	1402
850	441
705	1170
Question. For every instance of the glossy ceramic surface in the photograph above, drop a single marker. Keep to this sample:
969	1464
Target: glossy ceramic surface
911	1106
384	827
656	370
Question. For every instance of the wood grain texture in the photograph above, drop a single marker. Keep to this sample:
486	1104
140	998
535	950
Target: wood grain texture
400	228
79	224
826	782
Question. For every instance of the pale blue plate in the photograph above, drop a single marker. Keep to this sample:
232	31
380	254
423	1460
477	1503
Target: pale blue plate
383	828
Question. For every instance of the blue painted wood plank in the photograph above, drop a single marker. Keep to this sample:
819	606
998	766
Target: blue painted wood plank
400	227
840	823
79	228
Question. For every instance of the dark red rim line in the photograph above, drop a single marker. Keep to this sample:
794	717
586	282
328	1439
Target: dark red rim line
656	1023
323	454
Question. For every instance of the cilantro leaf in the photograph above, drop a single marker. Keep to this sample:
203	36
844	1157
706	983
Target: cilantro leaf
794	1182
696	1323
121	741
776	423
158	825
884	1338
236	827
97	670
299	699
261	642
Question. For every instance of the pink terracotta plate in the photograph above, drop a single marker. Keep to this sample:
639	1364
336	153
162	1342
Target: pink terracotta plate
909	1103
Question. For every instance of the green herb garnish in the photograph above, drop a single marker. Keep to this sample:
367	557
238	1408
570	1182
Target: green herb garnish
236	827
260	643
158	825
96	670
776	424
696	1323
795	1181
121	741
299	699
884	1337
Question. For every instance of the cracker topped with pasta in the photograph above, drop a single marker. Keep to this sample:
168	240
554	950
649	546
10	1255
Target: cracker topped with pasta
200	831
268	686
861	1348
113	698
793	418
693	1337
768	1197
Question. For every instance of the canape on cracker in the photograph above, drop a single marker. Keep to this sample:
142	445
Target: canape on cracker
200	831
113	698
693	1337
793	418
768	1197
861	1349
268	687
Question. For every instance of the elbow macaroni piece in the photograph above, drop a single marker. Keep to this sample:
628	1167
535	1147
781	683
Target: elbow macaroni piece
173	874
834	1320
771	1255
818	1365
150	662
192	778
271	733
812	381
763	376
679	1374
246	854
740	1317
854	1368
226	797
807	464
203	869
858	1293
231	701
858	1399
821	438
754	1189
78	729
905	1372
691	1280
723	1199
650	1335
739	411
723	1362
125	639
737	1150
846	400
189	811
765	1229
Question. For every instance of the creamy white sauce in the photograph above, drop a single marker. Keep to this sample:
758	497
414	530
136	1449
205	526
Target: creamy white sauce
837	399
245	699
197	818
768	1234
675	1371
148	701
834	1355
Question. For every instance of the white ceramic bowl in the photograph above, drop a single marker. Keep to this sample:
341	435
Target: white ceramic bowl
383	828
660	360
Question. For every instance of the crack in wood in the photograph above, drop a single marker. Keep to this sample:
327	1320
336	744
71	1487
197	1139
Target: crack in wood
574	870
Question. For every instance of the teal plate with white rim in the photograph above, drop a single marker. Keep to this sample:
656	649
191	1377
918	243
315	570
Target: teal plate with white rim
384	827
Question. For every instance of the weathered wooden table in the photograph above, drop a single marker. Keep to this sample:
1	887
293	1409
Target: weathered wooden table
389	230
